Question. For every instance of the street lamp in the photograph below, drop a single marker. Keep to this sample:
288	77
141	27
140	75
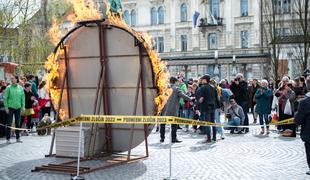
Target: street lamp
216	71
234	70
290	64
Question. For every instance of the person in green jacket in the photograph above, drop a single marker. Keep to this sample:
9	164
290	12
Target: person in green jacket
14	103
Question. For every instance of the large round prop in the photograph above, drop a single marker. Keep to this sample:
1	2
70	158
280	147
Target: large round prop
108	73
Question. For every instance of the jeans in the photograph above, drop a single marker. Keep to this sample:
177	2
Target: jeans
16	113
202	117
219	129
210	118
263	118
245	107
188	113
233	122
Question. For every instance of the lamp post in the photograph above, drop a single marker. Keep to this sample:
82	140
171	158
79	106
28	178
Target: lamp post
216	71
290	64
234	68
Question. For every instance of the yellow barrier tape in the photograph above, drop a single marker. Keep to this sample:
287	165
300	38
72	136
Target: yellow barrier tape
113	119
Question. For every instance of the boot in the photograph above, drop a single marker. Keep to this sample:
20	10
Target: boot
263	131
268	132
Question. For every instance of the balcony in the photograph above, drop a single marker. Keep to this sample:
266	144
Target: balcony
204	24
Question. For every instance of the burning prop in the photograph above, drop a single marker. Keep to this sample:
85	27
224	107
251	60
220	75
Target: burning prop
85	10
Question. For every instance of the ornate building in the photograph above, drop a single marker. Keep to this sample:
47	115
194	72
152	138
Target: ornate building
219	37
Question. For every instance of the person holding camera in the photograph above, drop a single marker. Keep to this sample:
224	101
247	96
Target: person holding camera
235	116
239	87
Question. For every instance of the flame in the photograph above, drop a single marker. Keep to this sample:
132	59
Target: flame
86	10
54	32
83	10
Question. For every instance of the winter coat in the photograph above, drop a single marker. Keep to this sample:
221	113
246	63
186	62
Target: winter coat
263	101
236	112
302	118
209	97
240	91
172	106
284	96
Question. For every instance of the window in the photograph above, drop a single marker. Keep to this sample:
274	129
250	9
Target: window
153	16
244	39
212	41
127	17
161	46
183	12
286	6
215	8
183	43
133	18
244	7
277	6
161	15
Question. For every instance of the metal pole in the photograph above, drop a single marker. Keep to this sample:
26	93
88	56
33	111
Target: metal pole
78	177
170	158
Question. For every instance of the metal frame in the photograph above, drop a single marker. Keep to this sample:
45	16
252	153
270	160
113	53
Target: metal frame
110	159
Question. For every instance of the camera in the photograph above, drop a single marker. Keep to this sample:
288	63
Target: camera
228	115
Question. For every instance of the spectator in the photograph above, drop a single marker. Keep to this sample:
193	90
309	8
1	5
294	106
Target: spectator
239	87
172	109
190	81
188	107
3	115
44	100
34	87
302	118
29	101
252	101
218	107
183	89
263	107
286	101
207	103
14	103
235	116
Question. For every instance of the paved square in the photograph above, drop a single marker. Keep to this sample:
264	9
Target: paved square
249	156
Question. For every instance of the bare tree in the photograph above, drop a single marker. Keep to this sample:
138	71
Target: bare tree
271	22
300	31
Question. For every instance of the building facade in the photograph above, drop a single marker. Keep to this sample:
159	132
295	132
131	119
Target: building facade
218	37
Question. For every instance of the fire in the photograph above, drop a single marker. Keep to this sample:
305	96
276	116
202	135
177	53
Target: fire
83	10
86	10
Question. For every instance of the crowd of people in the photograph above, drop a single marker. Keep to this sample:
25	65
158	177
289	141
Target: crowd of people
25	101
205	99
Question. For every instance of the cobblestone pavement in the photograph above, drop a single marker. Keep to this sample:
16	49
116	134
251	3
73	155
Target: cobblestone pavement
250	156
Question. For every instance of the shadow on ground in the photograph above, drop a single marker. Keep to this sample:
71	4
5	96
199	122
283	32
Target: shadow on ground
23	171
